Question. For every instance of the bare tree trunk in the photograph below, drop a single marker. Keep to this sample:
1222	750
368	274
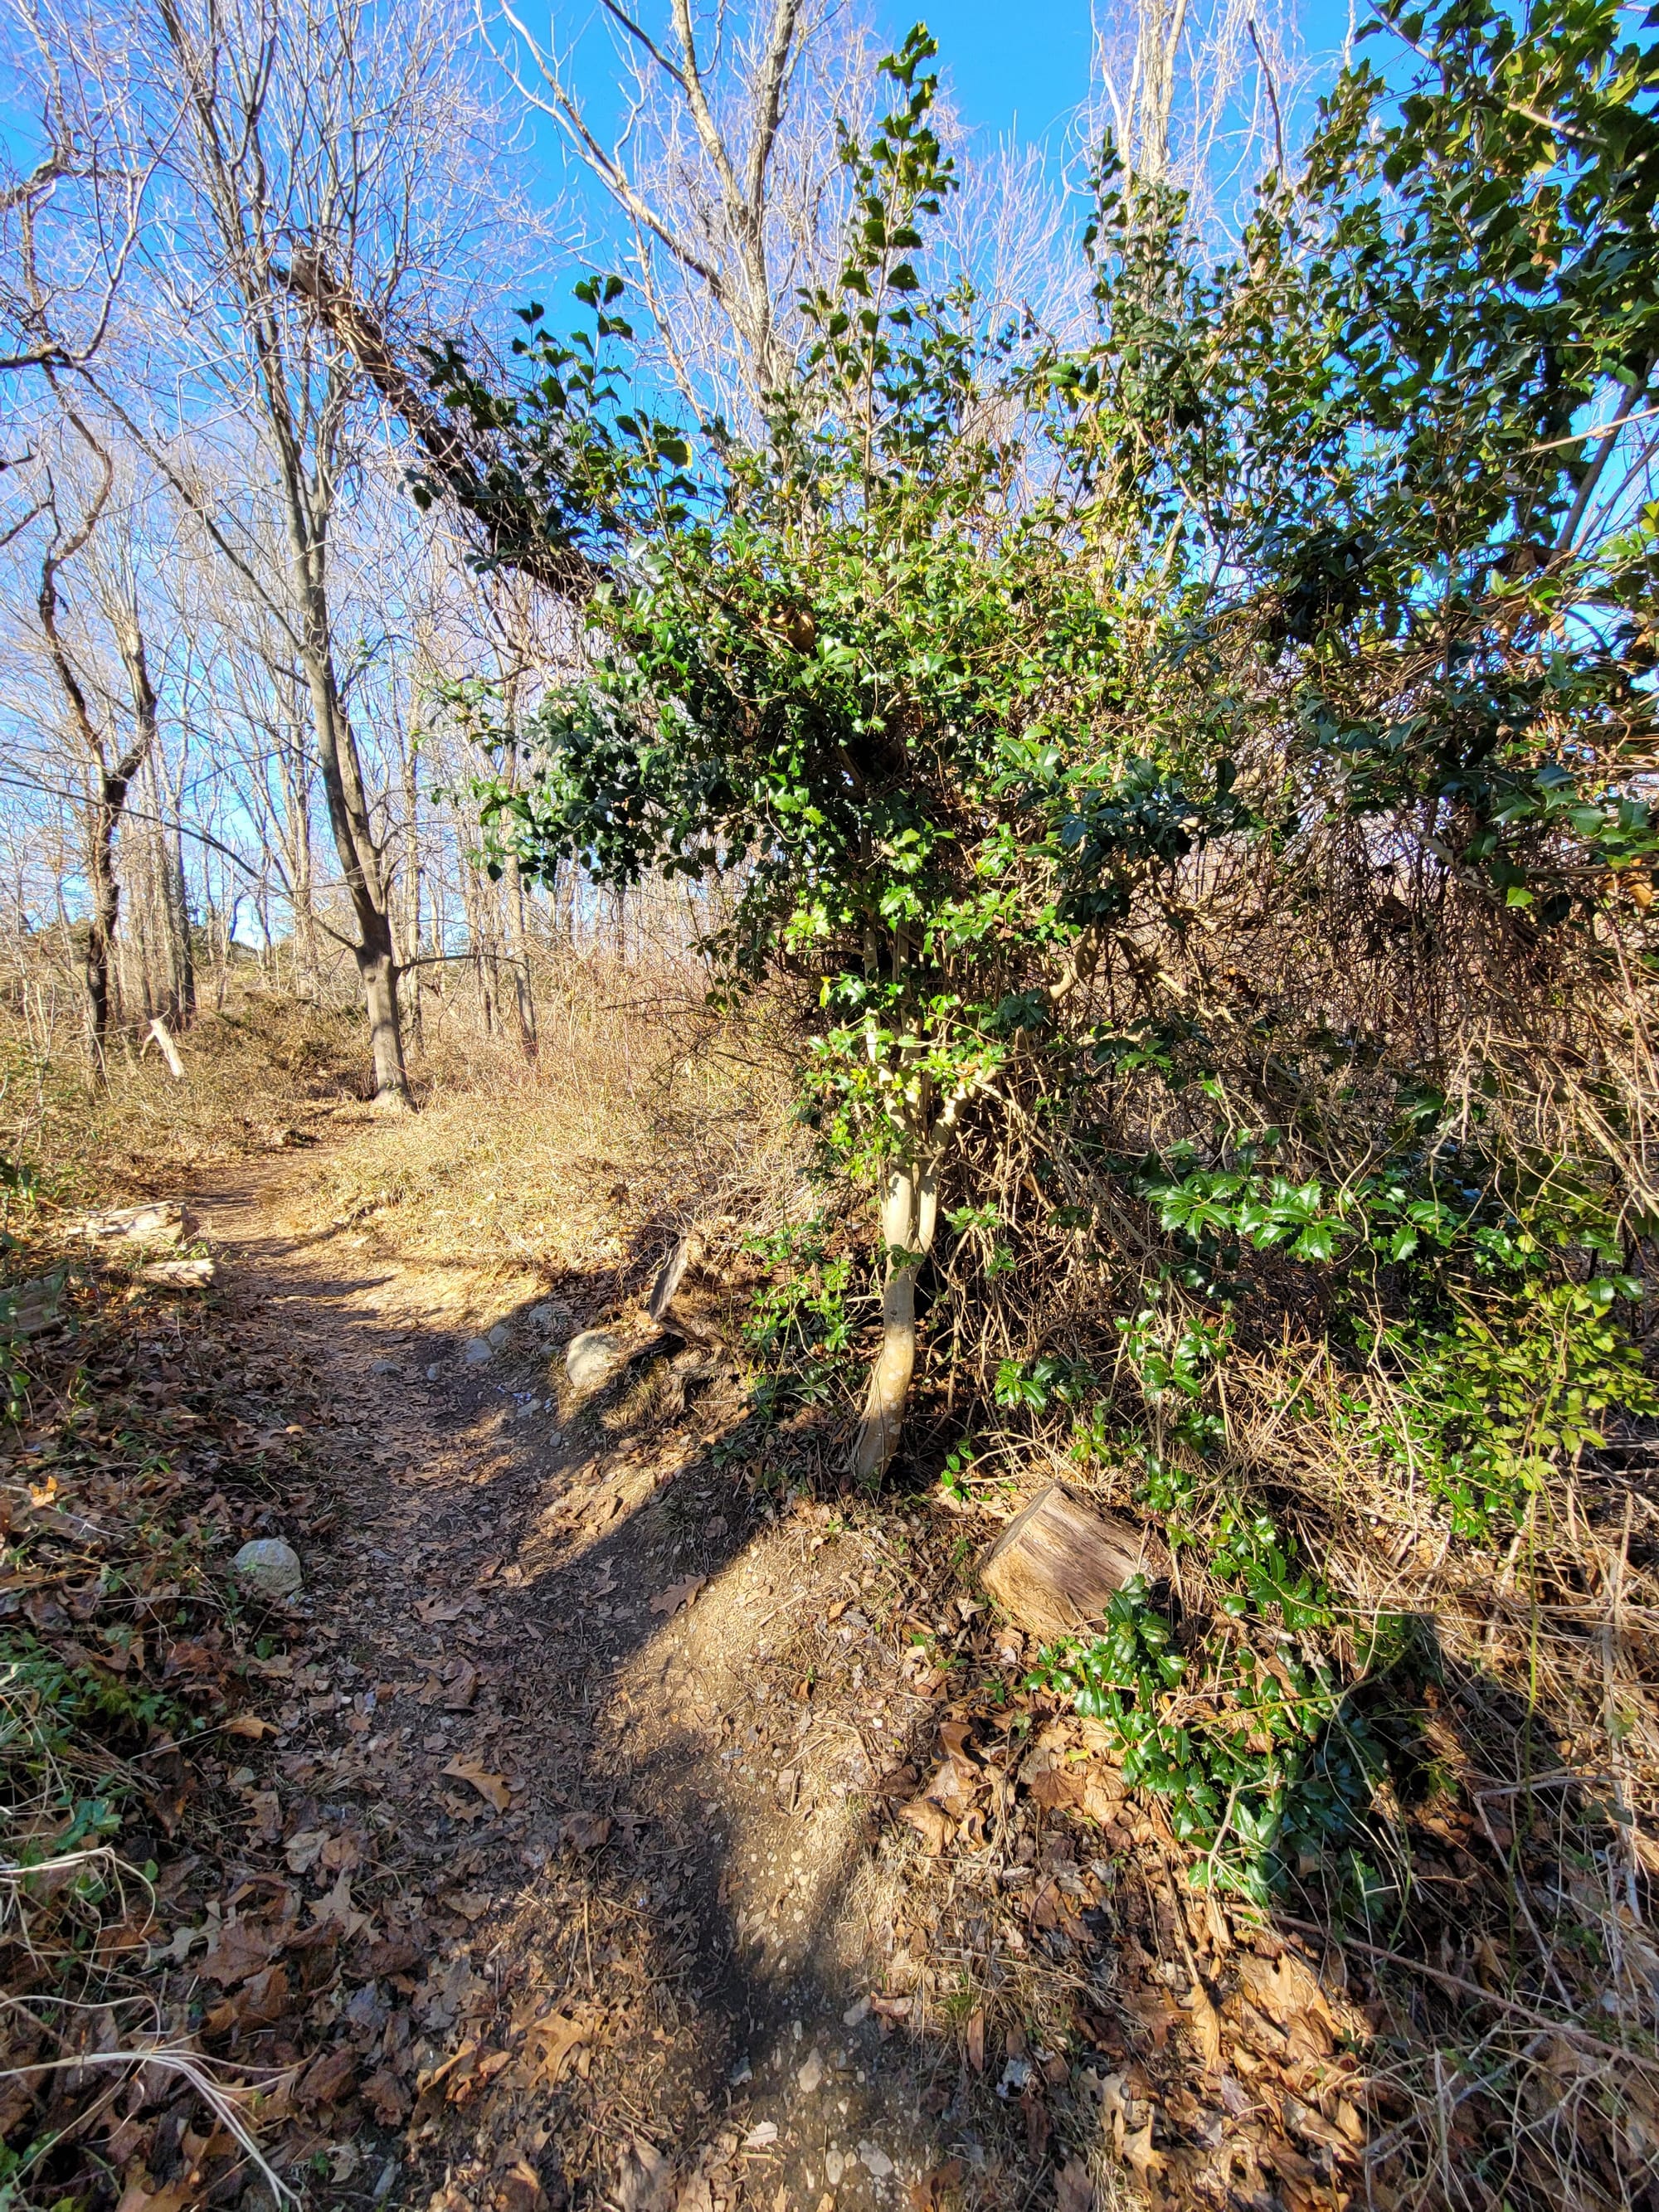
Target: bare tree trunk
909	1214
361	859
411	921
105	906
524	998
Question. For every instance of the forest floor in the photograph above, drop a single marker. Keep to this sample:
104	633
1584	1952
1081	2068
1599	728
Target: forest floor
626	1814
552	1737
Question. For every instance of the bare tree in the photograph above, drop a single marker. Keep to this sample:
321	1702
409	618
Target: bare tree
71	208
106	761
330	135
726	167
1197	93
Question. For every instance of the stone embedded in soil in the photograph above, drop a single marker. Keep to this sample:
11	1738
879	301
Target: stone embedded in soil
479	1349
497	1337
589	1357
268	1568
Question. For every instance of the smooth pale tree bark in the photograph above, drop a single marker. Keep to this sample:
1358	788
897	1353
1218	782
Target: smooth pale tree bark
908	1216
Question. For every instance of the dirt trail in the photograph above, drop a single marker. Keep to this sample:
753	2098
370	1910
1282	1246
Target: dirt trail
629	1954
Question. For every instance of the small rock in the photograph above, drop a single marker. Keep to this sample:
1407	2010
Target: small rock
808	2077
876	2163
855	2013
477	1350
384	1367
834	2167
589	1357
548	1317
498	1335
268	1568
433	1370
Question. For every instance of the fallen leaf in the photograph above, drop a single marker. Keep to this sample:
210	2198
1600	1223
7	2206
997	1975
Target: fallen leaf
559	2035
470	1904
491	1787
585	1831
644	2178
431	1610
134	2197
677	1595
328	2080
928	2194
338	1909
1115	2111
304	1849
1205	2022
898	1784
266	1807
1074	2190
1138	2152
520	2191
762	2136
395	1955
930	1822
386	2098
977	2038
241	1949
249	1725
263	1997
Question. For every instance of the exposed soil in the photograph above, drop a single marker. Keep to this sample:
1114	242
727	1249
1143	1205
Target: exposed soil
614	1856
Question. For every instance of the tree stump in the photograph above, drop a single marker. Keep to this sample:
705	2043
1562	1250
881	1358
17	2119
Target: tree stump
1055	1565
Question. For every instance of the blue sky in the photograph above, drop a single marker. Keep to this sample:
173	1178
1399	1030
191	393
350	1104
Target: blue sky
1015	66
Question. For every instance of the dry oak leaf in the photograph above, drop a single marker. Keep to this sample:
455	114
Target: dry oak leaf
1138	2152
328	2079
1074	2190
396	1955
137	2197
928	2194
263	1997
669	1601
559	2035
644	2179
431	1610
930	1822
386	2098
585	1831
242	1948
520	2189
249	1725
1285	1988
492	1788
303	1850
337	1909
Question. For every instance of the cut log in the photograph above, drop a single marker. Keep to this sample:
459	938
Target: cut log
179	1275
166	1222
1055	1566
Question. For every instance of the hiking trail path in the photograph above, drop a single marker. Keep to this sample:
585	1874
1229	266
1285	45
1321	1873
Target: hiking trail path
641	1937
